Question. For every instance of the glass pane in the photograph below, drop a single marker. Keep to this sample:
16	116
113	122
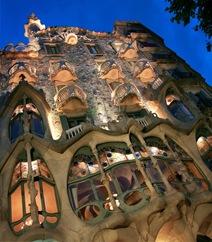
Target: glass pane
35	167
16	174
16	128
125	178
24	169
27	198
152	172
89	212
133	198
49	198
51	220
16	205
18	227
37	125
44	171
82	193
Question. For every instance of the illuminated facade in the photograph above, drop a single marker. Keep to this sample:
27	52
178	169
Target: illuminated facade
105	137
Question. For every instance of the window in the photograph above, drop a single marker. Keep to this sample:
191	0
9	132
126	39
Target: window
177	107
140	114
177	73
94	49
21	194
143	44
52	49
89	196
162	56
69	123
204	145
25	117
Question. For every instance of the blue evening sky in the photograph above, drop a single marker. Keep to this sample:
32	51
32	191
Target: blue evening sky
100	16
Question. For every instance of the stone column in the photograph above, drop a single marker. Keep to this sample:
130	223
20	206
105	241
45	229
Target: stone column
137	133
142	171
31	186
105	178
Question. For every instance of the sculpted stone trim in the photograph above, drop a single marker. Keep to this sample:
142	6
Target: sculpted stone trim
24	89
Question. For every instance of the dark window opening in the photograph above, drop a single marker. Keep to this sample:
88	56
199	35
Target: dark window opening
52	49
176	73
69	123
140	114
162	56
147	44
94	49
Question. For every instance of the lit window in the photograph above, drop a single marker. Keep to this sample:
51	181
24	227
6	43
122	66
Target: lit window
177	107
25	117
89	197
20	193
204	145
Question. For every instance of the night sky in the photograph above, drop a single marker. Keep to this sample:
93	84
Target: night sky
100	16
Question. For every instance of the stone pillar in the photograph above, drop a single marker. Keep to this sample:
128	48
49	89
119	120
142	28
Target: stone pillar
137	133
31	186
105	178
142	171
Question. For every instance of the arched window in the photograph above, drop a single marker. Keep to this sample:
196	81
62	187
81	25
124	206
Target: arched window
204	145
186	171
88	193
21	193
25	118
177	108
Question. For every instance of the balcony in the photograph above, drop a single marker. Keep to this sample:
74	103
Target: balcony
128	51
148	120
22	68
144	71
62	71
73	132
127	96
72	100
110	70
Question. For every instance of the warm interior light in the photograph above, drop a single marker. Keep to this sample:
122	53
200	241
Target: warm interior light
16	205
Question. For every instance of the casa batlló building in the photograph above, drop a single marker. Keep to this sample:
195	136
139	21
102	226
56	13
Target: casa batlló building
105	137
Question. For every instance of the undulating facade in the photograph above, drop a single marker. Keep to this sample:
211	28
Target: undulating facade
105	137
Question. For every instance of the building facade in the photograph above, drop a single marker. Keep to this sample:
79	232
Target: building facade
105	137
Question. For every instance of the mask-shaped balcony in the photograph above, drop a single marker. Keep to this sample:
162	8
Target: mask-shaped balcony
128	51
127	96
72	100
62	71
144	71
22	69
110	70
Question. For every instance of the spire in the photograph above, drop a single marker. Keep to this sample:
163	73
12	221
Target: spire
33	26
33	16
